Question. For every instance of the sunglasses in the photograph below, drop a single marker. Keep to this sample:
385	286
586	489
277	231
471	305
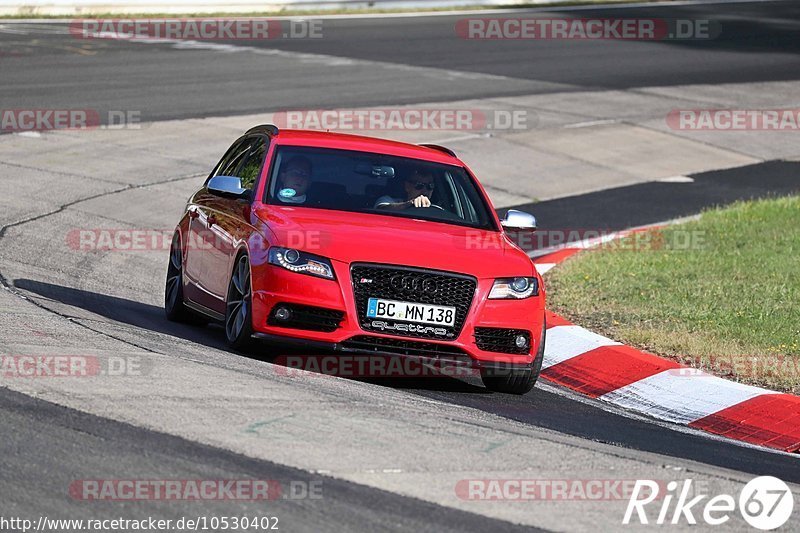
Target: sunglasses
419	185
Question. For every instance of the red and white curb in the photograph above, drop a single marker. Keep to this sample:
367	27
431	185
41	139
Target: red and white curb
609	371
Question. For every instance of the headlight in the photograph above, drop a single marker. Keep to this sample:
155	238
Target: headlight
301	262
508	288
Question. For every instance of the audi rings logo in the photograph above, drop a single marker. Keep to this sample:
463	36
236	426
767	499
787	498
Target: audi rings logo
410	283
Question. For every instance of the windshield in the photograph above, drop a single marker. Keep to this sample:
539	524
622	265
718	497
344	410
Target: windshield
378	184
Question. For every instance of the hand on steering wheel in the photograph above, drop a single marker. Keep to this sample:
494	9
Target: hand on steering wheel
423	201
420	201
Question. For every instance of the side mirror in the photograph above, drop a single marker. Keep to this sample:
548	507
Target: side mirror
519	221
228	187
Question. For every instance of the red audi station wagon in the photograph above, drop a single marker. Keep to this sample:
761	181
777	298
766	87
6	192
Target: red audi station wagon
359	245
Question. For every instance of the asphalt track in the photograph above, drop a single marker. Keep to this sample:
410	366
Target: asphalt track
654	202
44	445
758	44
88	443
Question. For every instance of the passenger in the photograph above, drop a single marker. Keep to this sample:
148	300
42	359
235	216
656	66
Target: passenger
294	179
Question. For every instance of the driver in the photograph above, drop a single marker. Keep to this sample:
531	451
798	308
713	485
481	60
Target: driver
294	180
418	188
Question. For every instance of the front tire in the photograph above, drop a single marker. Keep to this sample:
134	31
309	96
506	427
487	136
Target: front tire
239	306
174	307
516	381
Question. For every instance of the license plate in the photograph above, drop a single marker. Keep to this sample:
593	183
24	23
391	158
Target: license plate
410	312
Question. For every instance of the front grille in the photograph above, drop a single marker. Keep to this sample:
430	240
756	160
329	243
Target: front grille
417	286
404	347
501	340
307	317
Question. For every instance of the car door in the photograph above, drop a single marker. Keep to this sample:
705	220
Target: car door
208	252
233	216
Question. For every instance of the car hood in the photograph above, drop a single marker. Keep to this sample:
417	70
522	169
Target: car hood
358	237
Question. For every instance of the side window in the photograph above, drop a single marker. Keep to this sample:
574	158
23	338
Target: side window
237	156
254	162
225	159
224	163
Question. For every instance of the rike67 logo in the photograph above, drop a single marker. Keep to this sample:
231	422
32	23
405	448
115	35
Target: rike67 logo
765	503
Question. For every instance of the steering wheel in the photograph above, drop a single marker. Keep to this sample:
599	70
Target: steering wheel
440	213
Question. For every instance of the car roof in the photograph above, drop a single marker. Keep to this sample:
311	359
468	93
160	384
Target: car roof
342	141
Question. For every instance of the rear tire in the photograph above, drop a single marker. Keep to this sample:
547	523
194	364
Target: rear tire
517	381
239	306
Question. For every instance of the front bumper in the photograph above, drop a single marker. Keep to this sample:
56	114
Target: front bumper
273	285
439	361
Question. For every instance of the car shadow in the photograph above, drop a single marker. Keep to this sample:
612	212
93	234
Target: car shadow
123	310
151	318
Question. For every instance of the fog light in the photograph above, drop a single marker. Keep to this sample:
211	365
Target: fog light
521	341
283	314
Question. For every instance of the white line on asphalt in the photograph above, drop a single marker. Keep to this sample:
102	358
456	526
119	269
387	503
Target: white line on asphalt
676	179
15	31
590	123
465	137
326	60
